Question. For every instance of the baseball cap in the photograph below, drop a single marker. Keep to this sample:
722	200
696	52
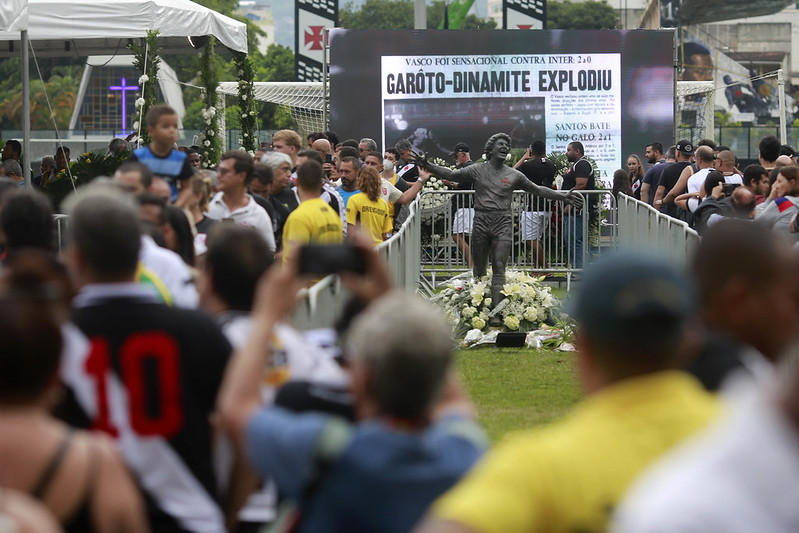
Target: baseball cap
685	147
460	147
633	297
786	149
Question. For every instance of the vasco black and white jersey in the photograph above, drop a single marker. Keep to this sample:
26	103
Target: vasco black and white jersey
150	378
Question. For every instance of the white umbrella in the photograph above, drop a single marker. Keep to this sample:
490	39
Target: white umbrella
76	28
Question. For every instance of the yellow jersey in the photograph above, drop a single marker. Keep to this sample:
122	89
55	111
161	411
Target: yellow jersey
373	216
569	476
314	221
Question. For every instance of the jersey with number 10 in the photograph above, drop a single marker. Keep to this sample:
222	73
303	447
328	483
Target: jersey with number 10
150	380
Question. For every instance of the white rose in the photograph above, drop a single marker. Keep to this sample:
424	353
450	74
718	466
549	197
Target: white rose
136	125
140	102
511	322
144	78
244	115
246	135
241	72
243	96
206	143
211	133
252	113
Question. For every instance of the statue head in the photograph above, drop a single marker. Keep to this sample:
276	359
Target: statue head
489	146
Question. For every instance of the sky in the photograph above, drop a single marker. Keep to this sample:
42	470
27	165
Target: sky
283	14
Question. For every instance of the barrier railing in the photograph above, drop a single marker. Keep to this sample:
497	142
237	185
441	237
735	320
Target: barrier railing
321	305
61	222
642	227
545	238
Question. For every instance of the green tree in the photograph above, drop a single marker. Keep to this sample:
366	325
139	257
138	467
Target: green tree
398	15
276	65
590	15
435	13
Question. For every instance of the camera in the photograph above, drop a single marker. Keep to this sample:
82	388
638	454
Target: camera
331	259
727	188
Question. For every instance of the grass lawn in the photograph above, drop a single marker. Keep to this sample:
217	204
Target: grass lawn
518	388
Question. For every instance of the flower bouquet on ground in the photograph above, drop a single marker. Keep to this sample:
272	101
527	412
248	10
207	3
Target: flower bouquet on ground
527	305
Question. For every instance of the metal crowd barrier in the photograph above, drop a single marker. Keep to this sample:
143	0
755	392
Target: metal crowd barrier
544	237
642	227
321	305
61	222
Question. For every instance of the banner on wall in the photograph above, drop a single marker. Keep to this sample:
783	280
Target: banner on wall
311	17
524	14
612	91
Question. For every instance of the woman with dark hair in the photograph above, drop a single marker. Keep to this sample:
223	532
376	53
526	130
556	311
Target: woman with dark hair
635	170
368	209
77	475
180	240
621	183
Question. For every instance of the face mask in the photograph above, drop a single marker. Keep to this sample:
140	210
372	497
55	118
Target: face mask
387	164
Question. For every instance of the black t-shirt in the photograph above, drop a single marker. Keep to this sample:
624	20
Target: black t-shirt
582	169
281	213
463	201
540	171
407	171
287	198
669	178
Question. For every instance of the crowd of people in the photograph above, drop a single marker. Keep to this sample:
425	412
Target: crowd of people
704	183
150	379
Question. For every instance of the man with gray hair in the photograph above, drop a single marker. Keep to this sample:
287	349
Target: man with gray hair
365	146
12	170
281	190
492	229
406	167
415	437
151	373
46	171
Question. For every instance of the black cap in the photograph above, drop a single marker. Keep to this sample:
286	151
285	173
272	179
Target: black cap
460	147
685	147
786	149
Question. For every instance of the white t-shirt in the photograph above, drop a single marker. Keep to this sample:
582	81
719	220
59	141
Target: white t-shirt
388	192
741	476
697	180
171	270
251	215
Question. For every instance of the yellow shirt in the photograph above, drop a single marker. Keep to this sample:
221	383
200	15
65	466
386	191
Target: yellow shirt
373	216
312	222
569	476
391	208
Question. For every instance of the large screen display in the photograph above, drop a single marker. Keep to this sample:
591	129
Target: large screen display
611	90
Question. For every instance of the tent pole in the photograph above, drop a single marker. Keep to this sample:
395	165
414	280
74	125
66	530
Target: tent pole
26	112
781	98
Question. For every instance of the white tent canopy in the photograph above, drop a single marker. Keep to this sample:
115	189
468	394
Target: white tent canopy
76	28
13	16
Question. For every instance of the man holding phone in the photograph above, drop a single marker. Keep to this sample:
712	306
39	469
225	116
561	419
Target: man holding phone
314	221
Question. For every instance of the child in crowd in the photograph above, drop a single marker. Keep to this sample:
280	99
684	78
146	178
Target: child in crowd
161	156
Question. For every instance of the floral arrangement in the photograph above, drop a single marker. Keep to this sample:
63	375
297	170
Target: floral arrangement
433	205
246	102
81	172
210	141
528	303
146	61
